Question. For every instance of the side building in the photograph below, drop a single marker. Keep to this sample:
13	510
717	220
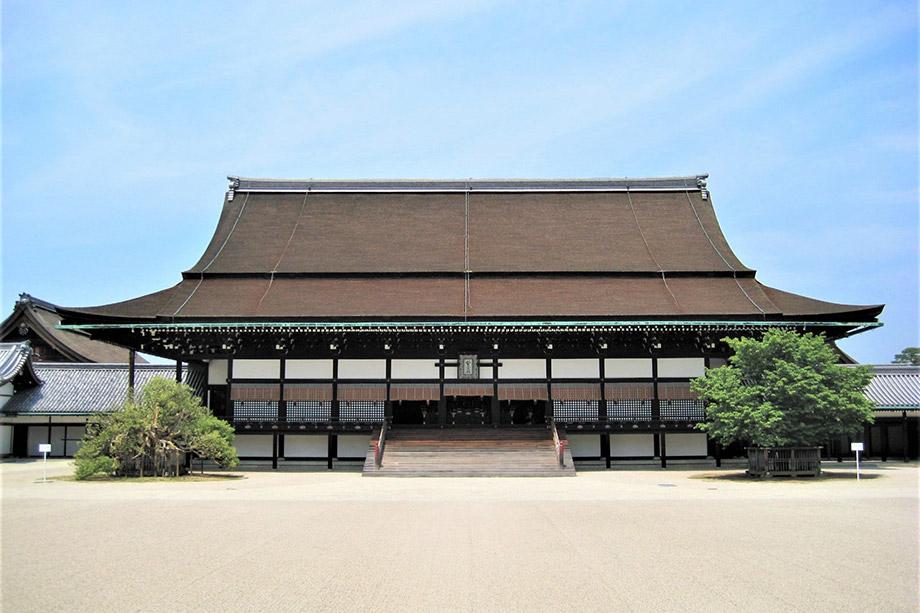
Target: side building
322	308
45	402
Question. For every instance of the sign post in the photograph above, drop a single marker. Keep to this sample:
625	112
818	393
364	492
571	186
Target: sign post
857	447
44	449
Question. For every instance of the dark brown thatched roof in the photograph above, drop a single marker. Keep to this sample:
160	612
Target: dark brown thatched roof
326	250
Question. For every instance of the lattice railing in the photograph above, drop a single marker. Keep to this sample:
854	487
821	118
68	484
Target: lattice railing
574	410
363	411
307	411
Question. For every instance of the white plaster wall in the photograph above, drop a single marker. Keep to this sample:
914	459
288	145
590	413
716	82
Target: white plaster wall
522	369
416	369
690	444
75	432
256	369
308	369
585	445
628	368
363	369
253	445
6	392
637	445
717	362
353	445
305	445
576	369
6	440
681	367
217	372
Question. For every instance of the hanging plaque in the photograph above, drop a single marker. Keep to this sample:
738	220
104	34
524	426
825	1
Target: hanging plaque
468	367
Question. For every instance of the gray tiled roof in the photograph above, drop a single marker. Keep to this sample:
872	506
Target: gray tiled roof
83	389
895	387
12	358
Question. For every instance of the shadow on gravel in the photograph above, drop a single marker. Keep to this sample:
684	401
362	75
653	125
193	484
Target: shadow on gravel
826	475
183	479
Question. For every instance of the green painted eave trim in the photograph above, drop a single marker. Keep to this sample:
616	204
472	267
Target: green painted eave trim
470	325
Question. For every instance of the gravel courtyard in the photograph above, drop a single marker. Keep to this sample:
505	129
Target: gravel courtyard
332	541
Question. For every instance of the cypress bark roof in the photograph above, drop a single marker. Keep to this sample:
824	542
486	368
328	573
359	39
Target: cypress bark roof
34	319
567	249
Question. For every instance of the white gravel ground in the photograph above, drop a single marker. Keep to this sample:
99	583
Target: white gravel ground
648	540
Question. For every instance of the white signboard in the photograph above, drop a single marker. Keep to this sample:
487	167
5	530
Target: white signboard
856	447
44	448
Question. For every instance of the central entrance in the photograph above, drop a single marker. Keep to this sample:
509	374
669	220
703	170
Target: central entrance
468	411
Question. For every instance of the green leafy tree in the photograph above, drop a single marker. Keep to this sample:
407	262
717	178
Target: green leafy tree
150	432
909	355
784	390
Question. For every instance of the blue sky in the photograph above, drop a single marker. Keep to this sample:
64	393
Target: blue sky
121	121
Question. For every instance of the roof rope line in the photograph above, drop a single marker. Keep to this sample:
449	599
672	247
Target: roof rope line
716	249
226	240
649	249
467	300
274	269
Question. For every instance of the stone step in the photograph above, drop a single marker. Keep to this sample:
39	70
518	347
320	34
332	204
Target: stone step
469	452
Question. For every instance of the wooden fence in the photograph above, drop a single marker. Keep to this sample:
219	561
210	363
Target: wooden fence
784	461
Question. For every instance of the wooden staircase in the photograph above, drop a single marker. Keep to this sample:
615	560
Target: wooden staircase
469	452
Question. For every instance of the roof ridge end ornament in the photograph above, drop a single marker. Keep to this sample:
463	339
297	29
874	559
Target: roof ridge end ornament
234	185
701	183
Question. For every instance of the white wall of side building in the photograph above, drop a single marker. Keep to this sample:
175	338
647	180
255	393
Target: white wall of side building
632	445
217	372
576	369
6	440
416	369
353	445
584	445
363	369
308	369
628	368
681	367
256	369
253	445
306	445
522	369
686	444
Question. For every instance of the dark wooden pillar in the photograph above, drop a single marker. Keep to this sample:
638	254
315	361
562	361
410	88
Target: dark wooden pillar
605	448
442	401
334	410
388	404
602	405
282	403
178	371
905	436
883	431
718	455
274	450
549	389
656	399
496	410
332	449
132	356
229	399
664	449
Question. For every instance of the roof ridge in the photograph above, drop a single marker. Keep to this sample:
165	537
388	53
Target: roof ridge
253	184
